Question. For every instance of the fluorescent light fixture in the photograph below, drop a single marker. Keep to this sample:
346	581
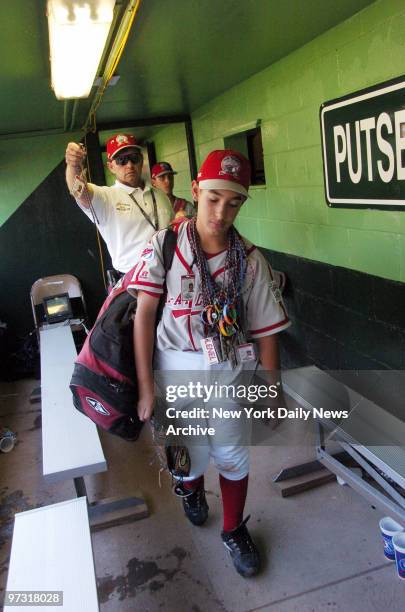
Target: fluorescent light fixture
78	31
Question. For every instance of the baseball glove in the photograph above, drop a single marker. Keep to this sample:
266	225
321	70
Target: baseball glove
178	461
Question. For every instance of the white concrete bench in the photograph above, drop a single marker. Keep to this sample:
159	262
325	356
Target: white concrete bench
52	551
70	443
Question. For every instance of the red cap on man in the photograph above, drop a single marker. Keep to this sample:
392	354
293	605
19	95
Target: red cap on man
118	143
225	169
161	168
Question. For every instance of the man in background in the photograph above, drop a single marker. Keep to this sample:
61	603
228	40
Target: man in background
162	177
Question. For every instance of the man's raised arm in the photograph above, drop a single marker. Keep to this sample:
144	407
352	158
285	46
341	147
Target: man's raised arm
74	157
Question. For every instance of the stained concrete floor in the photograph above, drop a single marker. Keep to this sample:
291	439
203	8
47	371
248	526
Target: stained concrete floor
321	548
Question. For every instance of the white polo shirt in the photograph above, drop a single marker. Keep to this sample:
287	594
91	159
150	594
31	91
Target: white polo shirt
121	222
180	327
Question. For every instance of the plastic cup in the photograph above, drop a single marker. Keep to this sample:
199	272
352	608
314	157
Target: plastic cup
398	542
389	528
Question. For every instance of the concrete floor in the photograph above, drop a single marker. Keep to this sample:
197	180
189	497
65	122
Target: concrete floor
321	548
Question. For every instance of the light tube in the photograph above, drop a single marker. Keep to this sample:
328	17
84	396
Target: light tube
78	31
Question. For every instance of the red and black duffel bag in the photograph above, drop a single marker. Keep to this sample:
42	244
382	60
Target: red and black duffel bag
104	383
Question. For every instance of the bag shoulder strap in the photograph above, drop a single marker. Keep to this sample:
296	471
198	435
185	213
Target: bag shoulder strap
169	247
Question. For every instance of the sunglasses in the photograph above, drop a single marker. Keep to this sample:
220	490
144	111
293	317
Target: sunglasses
122	160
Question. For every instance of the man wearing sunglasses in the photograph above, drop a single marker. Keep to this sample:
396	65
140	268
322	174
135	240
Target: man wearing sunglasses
128	213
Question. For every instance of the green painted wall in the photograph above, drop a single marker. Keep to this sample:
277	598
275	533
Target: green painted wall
171	146
24	164
290	214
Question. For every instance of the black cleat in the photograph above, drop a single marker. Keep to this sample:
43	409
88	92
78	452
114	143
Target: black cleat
242	549
196	507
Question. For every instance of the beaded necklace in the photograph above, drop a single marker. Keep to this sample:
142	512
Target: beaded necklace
222	304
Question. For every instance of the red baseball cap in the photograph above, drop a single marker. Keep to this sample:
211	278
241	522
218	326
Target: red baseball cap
118	143
162	168
225	169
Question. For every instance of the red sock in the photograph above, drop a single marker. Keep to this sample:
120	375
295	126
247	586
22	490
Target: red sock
233	500
193	485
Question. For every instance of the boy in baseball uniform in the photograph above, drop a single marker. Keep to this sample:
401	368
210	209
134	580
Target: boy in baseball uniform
229	321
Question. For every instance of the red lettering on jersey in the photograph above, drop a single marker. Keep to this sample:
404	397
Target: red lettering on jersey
178	300
185	312
199	300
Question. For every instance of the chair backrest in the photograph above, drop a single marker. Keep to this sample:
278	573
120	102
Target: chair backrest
54	285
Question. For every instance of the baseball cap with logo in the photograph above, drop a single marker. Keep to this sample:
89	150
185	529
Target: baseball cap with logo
225	169
162	168
118	143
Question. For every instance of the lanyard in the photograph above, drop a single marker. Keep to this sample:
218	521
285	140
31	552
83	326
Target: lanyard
154	223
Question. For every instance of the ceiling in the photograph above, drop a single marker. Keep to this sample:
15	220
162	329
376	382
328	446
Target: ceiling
180	54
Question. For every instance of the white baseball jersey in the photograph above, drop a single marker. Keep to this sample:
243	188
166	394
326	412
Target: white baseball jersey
122	224
180	327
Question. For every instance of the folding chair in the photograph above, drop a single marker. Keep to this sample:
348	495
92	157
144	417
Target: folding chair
56	285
